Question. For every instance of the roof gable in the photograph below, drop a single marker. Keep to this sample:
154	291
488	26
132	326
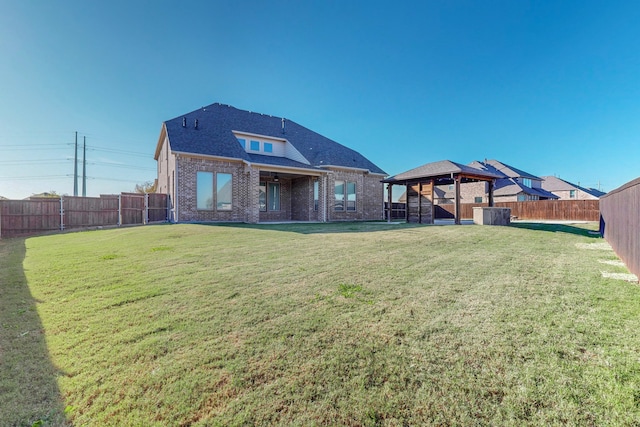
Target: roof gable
504	169
553	183
209	131
440	168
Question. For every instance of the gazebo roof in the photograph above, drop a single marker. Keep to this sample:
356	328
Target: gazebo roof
443	168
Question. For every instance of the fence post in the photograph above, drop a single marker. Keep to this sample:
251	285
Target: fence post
145	220
119	210
61	213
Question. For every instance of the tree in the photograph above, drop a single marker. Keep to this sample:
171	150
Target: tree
51	194
146	187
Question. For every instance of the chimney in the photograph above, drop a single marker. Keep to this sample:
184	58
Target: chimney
195	126
184	122
283	125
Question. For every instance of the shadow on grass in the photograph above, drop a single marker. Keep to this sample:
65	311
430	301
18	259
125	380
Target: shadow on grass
323	228
29	393
585	231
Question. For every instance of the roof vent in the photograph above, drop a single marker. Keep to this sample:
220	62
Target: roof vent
184	122
195	126
283	124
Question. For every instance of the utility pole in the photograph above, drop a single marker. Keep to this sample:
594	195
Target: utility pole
75	168
84	167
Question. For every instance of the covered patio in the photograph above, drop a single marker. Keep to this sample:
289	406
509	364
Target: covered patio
421	182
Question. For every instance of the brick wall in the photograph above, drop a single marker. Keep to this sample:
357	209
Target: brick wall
187	168
369	196
296	195
284	214
302	193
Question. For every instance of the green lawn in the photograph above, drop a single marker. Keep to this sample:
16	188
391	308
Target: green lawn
328	324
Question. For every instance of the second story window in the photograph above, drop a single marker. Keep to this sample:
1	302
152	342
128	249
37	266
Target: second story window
527	182
255	145
268	147
243	142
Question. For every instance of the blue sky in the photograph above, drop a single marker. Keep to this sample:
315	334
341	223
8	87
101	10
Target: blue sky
548	87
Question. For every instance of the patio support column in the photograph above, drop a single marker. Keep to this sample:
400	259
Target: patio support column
389	202
457	204
406	203
491	184
420	202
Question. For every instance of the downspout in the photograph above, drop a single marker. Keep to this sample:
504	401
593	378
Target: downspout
325	180
248	208
175	190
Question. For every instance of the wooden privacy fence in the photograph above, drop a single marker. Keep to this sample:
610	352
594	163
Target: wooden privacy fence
33	216
551	210
620	223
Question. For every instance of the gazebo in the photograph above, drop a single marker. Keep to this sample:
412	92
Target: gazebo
420	183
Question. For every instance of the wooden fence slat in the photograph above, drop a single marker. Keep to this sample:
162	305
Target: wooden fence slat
620	223
33	216
558	210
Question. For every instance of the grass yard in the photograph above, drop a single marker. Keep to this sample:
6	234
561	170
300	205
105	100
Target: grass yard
328	324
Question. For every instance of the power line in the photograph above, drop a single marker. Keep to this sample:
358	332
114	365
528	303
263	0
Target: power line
112	179
31	147
116	151
121	166
25	178
34	161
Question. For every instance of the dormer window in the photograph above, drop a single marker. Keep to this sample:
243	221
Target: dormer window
269	146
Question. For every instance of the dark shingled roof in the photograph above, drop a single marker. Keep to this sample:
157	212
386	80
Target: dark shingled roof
510	187
502	169
553	183
214	137
441	168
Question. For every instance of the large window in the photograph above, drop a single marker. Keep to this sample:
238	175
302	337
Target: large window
316	194
223	191
351	196
527	182
269	196
273	196
204	191
339	195
345	196
262	196
205	194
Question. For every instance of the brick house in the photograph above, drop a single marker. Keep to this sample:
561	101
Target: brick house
514	185
566	190
220	163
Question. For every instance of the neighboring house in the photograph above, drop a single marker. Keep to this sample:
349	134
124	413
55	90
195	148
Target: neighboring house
220	163
566	190
515	185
